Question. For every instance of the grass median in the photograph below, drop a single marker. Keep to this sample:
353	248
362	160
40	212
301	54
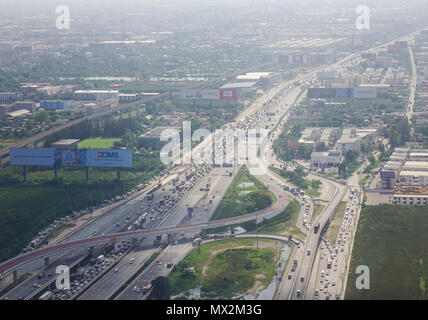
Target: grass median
246	194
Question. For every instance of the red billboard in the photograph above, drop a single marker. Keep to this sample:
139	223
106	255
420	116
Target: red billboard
228	94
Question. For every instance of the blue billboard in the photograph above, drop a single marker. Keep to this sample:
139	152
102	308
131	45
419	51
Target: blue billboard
31	156
71	157
387	174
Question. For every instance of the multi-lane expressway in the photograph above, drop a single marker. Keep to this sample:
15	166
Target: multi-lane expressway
305	262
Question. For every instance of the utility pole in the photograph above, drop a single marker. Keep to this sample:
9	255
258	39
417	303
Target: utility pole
257	232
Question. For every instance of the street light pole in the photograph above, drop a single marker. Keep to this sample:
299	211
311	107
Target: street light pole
257	232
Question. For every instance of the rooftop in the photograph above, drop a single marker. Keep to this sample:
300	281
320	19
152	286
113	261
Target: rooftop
65	142
420	164
238	85
414	173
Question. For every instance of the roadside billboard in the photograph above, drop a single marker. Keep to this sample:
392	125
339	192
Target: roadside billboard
387	174
31	156
71	157
109	158
196	94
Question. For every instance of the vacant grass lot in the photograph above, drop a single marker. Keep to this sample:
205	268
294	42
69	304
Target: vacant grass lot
225	268
284	223
98	143
237	202
392	242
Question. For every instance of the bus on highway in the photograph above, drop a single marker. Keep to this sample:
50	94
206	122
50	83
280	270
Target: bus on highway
316	227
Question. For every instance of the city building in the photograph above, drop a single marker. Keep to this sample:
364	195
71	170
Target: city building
3	110
349	143
418	155
97	95
410	195
326	159
9	96
65	144
53	105
315	135
241	88
27	105
128	97
262	78
413	178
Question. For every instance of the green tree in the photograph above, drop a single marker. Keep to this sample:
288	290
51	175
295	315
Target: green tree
160	288
41	116
320	147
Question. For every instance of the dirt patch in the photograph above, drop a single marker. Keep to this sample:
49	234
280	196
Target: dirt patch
258	286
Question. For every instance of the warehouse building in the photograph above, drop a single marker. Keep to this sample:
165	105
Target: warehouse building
9	96
326	159
97	95
128	97
241	88
410	195
53	105
418	155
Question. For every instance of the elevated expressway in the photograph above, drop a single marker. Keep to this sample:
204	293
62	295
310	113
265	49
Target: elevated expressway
20	260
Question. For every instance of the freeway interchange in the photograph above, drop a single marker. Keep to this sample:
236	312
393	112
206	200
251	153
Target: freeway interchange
172	218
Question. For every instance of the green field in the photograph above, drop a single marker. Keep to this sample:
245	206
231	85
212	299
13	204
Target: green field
237	202
284	223
223	270
98	143
392	242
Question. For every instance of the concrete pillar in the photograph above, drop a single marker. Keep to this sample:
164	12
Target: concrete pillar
46	261
91	251
169	237
15	276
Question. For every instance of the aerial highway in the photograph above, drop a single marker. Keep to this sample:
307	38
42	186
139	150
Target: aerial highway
270	112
